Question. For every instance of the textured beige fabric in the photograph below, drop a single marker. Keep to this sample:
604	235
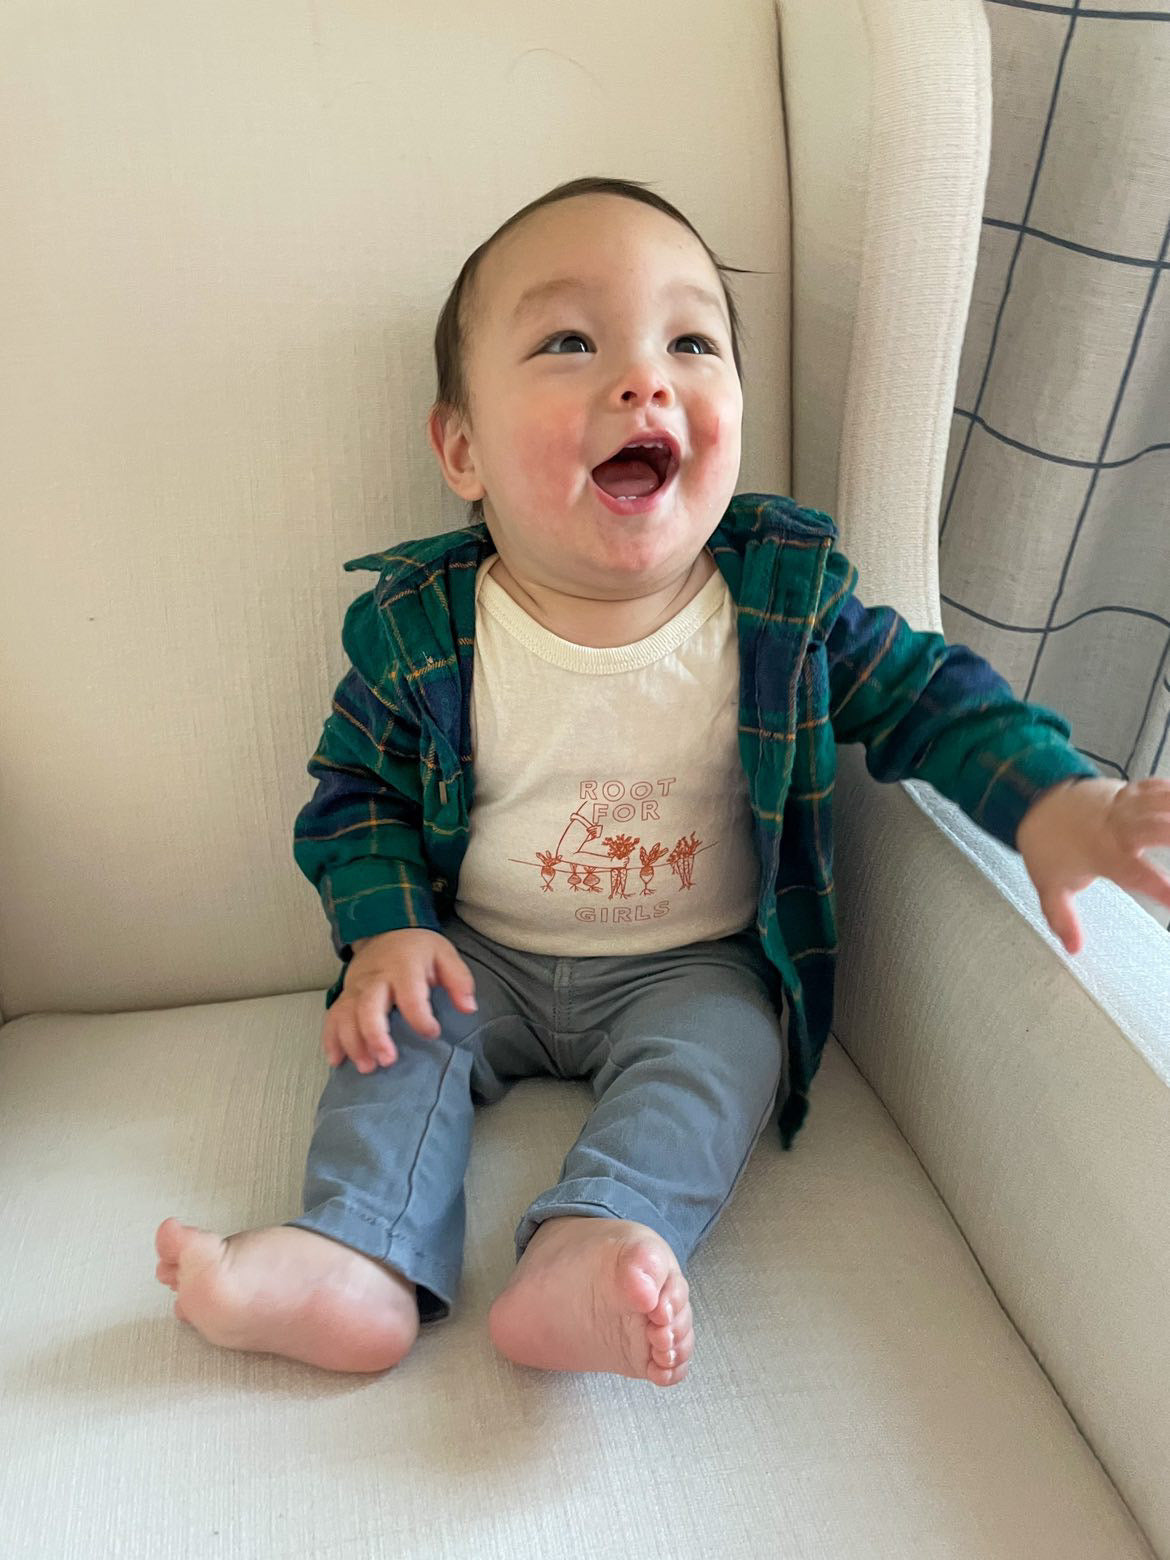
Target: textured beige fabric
234	228
897	259
1054	555
857	1392
236	233
1039	1103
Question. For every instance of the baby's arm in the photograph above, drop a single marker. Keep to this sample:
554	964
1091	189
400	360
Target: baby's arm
931	711
927	710
358	839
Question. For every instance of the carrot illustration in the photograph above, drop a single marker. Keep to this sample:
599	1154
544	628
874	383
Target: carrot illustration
620	847
649	857
682	859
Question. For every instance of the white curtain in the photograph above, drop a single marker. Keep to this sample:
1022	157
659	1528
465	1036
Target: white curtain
1055	523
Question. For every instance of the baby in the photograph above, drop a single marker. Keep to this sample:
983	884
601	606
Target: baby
608	853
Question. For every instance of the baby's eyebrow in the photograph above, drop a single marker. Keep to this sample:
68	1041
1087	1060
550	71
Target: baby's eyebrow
533	297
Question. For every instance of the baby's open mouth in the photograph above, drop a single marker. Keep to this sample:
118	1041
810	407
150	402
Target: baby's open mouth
636	470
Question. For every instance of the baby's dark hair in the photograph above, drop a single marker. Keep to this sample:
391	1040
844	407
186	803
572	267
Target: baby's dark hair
452	333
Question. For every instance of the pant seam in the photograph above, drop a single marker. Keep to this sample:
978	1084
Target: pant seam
554	1202
401	1214
743	1165
399	1242
396	1252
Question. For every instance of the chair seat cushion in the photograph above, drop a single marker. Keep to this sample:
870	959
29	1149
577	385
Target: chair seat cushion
856	1387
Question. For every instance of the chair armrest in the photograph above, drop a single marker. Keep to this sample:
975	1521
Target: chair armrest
1035	1090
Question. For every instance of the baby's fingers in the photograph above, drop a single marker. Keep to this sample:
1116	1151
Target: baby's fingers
456	979
1153	788
373	1022
1149	824
1057	905
364	1045
331	1045
1144	878
413	999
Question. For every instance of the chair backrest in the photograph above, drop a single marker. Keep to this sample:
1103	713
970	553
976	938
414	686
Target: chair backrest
229	239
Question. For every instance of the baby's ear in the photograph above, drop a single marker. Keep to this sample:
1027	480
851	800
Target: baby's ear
451	445
438	421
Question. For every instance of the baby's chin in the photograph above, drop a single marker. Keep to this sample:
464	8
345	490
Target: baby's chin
686	516
596	552
635	566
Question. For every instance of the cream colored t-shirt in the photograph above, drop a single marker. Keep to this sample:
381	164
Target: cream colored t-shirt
611	810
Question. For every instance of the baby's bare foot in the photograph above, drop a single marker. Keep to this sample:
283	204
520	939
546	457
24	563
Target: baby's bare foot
286	1290
596	1294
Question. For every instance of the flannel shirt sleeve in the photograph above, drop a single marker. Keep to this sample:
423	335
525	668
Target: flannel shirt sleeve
928	710
359	838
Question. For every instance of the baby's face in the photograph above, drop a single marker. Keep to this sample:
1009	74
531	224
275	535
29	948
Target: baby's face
560	383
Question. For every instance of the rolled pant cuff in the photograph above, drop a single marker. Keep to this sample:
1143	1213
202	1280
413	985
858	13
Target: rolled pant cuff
437	1282
599	1197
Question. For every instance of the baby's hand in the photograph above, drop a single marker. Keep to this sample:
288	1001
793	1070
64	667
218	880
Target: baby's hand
1082	830
393	969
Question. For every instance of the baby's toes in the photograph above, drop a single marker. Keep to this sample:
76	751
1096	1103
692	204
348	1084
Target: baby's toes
666	1375
684	1345
669	1335
684	1320
673	1353
671	1348
673	1300
661	1339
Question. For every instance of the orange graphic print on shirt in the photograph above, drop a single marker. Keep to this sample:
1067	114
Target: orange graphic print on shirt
586	850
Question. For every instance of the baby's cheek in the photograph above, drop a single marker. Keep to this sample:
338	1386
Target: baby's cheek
717	434
548	460
716	459
549	437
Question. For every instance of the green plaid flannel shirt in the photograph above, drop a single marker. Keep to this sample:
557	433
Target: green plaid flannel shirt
384	834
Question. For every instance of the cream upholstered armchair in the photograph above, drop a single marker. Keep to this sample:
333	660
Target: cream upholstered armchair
937	1328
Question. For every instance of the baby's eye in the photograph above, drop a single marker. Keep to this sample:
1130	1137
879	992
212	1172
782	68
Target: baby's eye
708	346
564	335
573	335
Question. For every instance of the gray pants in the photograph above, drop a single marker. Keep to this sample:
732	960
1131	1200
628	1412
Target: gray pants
683	1050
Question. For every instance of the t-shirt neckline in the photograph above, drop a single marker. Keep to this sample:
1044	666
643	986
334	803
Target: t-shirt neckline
493	598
